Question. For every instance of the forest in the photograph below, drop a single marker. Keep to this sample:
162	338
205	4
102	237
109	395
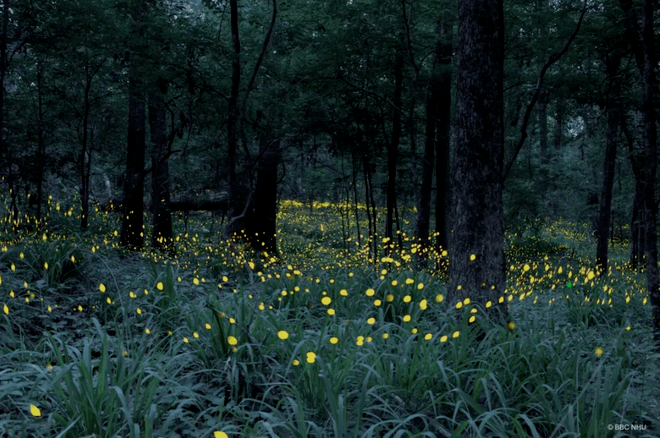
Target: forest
323	218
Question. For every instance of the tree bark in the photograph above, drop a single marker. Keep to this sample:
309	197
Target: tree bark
161	237
604	215
477	248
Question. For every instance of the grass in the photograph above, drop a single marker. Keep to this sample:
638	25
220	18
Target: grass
323	342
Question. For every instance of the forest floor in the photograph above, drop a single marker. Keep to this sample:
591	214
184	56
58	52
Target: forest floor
322	342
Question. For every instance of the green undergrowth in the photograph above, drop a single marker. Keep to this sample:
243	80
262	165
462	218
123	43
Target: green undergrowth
218	342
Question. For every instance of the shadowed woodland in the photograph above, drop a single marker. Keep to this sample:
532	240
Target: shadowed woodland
288	218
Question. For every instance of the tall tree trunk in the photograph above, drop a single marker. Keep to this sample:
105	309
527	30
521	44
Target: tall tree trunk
477	247
438	109
132	229
232	117
372	213
424	210
443	139
3	73
604	215
161	237
637	221
367	204
41	151
393	148
84	153
650	165
643	46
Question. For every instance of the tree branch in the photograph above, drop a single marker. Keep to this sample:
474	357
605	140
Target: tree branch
539	82
264	47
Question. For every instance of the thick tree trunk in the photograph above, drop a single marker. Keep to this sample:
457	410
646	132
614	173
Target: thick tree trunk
132	229
161	237
393	148
604	215
477	246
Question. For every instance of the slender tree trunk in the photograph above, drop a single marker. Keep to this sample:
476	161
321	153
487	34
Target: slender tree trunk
424	210
637	229
161	237
41	152
371	206
604	216
367	204
84	175
132	230
393	148
636	224
443	139
477	249
3	73
232	115
355	200
642	42
650	165
438	109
